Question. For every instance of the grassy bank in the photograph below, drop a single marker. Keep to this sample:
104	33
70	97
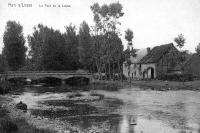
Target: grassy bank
154	84
15	124
7	87
168	85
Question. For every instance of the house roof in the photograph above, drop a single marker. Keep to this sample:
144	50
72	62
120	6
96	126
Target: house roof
139	55
156	53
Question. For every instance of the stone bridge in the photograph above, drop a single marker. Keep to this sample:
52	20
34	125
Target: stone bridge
34	75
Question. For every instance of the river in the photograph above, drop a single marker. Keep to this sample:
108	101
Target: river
127	110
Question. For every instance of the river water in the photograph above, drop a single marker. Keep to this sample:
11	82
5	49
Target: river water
128	110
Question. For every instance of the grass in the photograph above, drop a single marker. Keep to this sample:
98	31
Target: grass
8	125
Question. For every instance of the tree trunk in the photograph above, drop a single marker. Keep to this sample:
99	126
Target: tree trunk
118	69
109	70
113	65
106	72
99	69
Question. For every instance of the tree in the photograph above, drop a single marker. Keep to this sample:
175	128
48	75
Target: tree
14	49
106	21
3	64
129	36
130	51
180	40
49	50
71	47
37	45
85	54
198	49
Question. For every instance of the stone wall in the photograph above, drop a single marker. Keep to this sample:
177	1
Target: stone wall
147	69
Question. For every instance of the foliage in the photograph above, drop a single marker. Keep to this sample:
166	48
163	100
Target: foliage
182	56
130	51
17	125
129	36
106	16
105	37
85	46
51	50
14	50
3	64
176	77
180	40
71	48
97	49
198	49
46	48
5	87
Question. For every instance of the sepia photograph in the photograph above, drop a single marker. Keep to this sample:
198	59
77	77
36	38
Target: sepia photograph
99	66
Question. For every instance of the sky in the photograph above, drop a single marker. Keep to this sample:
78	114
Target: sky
154	22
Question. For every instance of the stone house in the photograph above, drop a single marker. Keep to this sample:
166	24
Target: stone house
158	61
133	70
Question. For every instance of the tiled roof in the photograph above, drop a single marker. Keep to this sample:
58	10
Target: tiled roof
139	55
156	53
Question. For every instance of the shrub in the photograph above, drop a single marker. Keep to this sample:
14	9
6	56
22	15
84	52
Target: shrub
21	106
5	87
176	77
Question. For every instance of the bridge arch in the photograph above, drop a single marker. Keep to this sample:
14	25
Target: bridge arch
17	79
77	80
53	81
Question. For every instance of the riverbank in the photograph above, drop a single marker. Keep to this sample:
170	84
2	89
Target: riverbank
26	122
13	120
157	84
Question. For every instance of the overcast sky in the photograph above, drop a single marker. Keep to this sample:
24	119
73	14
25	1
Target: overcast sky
154	22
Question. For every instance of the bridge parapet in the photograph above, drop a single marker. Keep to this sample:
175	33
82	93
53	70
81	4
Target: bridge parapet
42	74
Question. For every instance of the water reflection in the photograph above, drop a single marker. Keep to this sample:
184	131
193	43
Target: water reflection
124	111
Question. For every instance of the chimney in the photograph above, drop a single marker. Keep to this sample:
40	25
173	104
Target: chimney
148	50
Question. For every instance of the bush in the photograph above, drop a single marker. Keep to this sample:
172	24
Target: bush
176	77
21	106
5	87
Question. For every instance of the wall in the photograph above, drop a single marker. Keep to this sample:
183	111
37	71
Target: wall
125	70
144	68
135	72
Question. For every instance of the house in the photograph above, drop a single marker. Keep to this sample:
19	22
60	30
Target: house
133	71
158	61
